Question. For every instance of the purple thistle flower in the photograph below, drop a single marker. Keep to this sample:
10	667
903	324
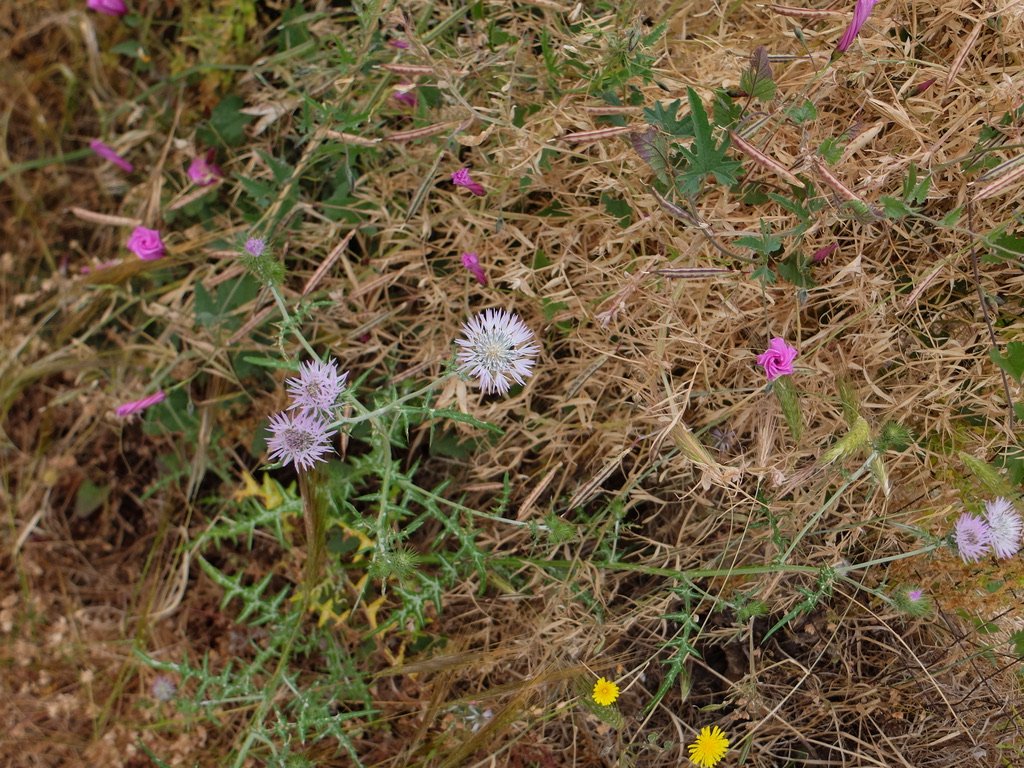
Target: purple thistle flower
861	11
163	688
108	153
300	438
317	387
497	346
973	538
1005	527
127	409
471	261
461	178
254	246
913	600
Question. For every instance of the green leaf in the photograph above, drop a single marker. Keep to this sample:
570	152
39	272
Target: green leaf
1017	638
894	208
765	245
757	81
803	113
1003	247
664	119
831	150
1013	361
618	208
703	156
226	126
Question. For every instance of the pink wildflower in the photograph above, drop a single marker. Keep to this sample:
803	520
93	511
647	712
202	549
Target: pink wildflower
397	42
778	359
108	7
202	171
823	253
471	261
922	87
146	244
107	153
861	11
127	409
406	94
461	178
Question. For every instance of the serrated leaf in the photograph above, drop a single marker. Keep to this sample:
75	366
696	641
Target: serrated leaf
703	156
803	113
894	208
664	118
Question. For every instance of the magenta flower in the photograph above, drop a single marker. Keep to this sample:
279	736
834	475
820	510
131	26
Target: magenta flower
471	261
922	87
406	94
202	171
317	387
861	11
107	153
778	359
497	346
108	7
973	538
461	178
1005	526
398	43
301	438
127	409
146	244
823	253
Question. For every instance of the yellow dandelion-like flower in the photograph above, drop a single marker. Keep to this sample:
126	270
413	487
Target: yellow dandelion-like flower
710	747
605	692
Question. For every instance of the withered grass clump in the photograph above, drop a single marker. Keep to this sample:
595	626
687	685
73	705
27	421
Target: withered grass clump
670	491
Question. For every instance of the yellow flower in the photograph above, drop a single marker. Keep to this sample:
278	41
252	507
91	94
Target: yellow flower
605	692
710	747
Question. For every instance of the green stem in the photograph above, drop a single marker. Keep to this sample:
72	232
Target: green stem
288	319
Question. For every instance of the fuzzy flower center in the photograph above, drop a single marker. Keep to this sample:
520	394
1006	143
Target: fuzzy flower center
298	440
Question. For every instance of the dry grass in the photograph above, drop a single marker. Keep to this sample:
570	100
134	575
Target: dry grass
637	371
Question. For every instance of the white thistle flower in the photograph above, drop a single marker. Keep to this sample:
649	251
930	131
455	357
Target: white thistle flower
1005	525
497	346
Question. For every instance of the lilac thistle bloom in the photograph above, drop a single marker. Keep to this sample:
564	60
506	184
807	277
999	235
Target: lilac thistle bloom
913	600
973	538
146	244
1005	526
254	246
202	171
108	7
461	178
127	409
471	261
107	153
497	346
317	387
778	359
302	438
861	11
163	688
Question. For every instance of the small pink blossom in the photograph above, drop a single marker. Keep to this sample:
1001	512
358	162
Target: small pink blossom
461	178
108	7
107	153
861	11
140	405
406	94
471	261
397	42
203	172
778	359
146	244
922	87
823	253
